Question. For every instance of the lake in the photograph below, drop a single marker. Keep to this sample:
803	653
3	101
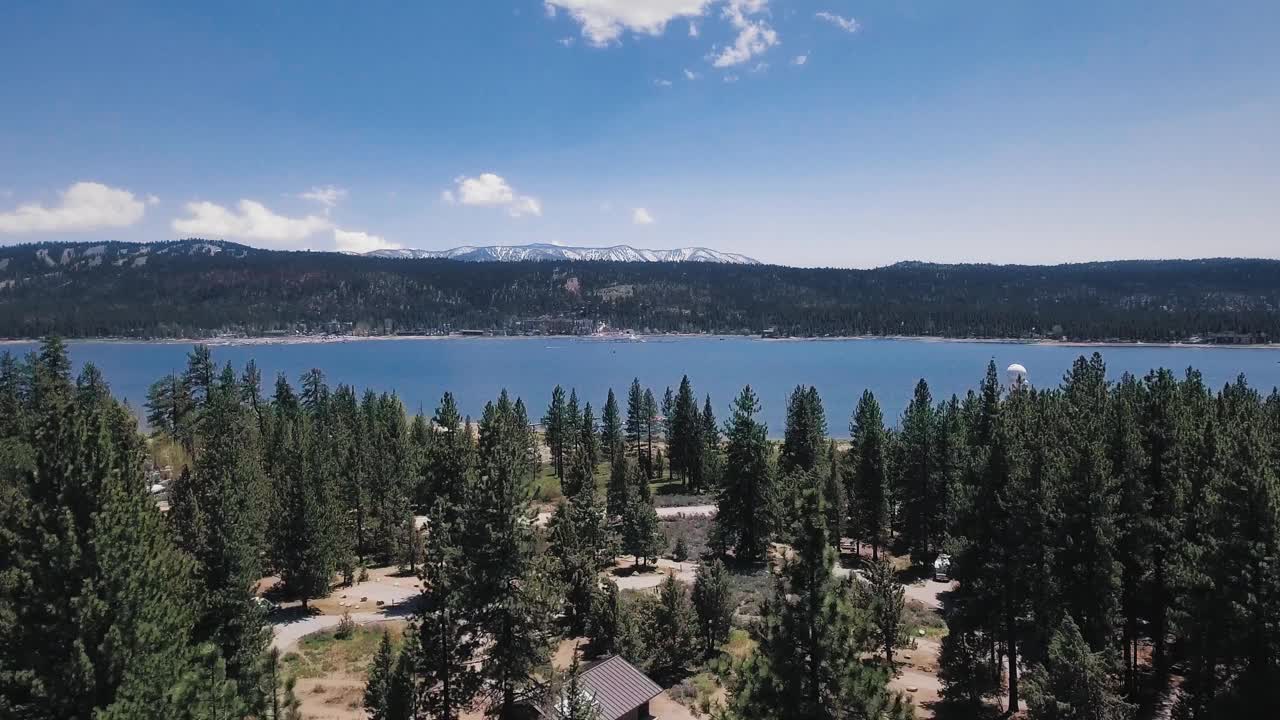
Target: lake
475	369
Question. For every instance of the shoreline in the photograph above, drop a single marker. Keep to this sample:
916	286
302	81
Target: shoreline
658	337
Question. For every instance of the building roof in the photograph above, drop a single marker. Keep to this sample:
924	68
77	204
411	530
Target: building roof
618	687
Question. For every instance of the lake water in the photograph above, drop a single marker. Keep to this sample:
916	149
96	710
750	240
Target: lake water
475	369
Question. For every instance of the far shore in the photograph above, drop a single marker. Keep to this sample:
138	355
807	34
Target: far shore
235	341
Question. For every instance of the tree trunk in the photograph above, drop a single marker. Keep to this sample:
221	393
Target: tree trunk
1011	641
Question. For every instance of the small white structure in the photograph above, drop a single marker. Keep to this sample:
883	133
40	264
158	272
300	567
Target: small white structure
942	568
1017	375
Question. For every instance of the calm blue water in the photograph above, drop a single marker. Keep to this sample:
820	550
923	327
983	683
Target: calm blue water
475	369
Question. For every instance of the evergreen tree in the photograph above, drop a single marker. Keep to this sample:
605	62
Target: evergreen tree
619	483
806	664
641	536
378	683
1084	549
745	508
445	680
683	438
214	514
886	603
449	460
870	472
588	439
650	428
605	619
1073	683
636	428
919	475
712	461
611	432
668	410
713	603
507	573
555	430
805	432
308	552
833	496
672	643
583	545
576	703
1128	462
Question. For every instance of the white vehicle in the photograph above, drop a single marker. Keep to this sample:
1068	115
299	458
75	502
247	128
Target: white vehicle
942	568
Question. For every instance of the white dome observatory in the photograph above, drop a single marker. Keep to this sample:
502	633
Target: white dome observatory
1017	375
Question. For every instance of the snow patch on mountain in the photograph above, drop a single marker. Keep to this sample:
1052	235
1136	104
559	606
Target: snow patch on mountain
541	251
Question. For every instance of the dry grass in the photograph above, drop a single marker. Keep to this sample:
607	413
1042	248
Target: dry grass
325	654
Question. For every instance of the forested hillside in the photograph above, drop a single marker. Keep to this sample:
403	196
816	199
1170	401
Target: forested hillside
200	288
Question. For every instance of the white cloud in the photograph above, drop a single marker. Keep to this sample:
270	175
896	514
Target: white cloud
84	206
153	200
357	241
604	21
491	190
693	29
760	67
800	60
755	36
566	41
641	216
731	78
848	25
251	221
328	196
690	75
662	82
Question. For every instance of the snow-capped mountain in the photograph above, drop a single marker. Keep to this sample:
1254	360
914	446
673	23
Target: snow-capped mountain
541	251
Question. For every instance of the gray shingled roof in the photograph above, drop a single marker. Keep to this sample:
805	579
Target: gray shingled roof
618	688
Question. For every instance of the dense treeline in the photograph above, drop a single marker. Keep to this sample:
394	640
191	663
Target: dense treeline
1103	536
198	288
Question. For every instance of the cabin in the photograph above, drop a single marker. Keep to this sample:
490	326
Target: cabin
620	691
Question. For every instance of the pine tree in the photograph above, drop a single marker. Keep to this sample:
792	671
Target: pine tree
745	510
506	570
683	440
650	429
713	603
554	430
870	472
1132	549
583	545
1074	683
605	618
588	439
886	602
921	508
611	433
576	703
641	536
636	426
1088	502
378	683
619	483
806	664
672	642
833	496
668	410
214	511
805	432
446	681
712	460
308	551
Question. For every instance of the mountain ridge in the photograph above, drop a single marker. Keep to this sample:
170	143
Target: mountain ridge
547	251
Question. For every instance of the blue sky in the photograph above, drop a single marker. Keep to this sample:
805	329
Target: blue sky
839	132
